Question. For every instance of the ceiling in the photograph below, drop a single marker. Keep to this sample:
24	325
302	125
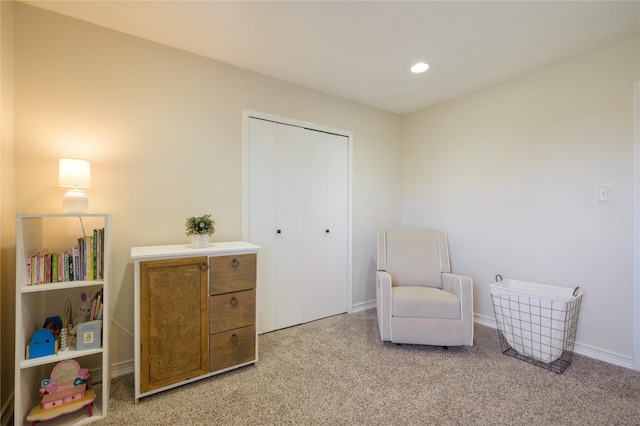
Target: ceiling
362	50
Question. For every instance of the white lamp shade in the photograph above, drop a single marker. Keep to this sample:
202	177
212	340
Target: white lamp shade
74	173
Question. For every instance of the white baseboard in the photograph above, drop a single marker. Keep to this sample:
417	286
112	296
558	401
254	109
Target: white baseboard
579	348
122	369
359	307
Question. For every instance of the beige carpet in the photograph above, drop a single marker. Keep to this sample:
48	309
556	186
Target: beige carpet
337	372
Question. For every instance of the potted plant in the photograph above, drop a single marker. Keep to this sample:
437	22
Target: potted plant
199	228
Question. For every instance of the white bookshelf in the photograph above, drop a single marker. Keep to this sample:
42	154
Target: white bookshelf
36	302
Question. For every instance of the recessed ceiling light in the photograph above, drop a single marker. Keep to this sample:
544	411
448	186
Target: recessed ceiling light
419	67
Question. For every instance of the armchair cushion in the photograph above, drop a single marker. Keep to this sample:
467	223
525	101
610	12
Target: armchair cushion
413	257
424	302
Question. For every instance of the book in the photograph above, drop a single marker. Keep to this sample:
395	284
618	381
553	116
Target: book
76	262
100	304
35	268
94	304
88	256
42	267
61	267
100	253
53	278
65	262
69	257
94	255
28	269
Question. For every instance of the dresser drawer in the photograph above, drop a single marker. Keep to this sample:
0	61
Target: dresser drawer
232	273
232	310
232	348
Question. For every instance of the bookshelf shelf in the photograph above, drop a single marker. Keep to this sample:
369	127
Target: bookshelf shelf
60	356
45	234
60	286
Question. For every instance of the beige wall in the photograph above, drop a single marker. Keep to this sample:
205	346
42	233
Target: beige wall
511	173
7	212
163	131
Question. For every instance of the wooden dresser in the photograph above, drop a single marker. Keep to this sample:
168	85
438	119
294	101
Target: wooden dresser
195	313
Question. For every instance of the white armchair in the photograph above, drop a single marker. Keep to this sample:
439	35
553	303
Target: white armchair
419	300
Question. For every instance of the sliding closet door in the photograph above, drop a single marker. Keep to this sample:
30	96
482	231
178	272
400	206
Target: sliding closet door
298	214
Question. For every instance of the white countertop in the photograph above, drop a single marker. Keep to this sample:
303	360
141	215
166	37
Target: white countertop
185	250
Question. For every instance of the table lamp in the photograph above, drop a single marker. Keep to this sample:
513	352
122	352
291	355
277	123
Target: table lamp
74	174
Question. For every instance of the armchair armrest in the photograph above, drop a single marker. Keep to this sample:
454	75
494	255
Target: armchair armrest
383	304
462	286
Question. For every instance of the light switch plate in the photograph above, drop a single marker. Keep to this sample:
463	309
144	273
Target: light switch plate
604	194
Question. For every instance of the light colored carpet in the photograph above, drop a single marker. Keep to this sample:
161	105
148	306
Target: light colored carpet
337	372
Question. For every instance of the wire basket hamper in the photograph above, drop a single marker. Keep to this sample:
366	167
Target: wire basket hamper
537	322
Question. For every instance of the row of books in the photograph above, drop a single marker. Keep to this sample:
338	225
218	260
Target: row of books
85	261
96	306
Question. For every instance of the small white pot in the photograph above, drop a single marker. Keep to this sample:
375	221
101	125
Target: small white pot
200	241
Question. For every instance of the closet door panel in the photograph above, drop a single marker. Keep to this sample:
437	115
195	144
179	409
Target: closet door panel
290	241
315	226
337	222
262	215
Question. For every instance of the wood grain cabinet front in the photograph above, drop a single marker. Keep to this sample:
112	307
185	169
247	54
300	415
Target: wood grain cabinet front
173	328
195	312
233	347
232	273
232	311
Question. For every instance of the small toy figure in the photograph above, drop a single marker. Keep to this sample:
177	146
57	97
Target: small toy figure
84	311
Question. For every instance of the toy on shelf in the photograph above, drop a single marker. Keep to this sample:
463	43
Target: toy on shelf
89	335
64	392
67	324
90	309
45	340
84	311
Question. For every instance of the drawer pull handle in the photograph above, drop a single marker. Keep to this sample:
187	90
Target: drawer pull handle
234	301
235	338
235	262
204	266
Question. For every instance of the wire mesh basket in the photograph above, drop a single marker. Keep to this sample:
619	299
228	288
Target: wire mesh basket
537	322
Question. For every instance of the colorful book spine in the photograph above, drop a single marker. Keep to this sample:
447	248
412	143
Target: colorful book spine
61	267
68	256
28	270
46	273
41	268
89	259
94	305
76	263
53	278
94	255
82	253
